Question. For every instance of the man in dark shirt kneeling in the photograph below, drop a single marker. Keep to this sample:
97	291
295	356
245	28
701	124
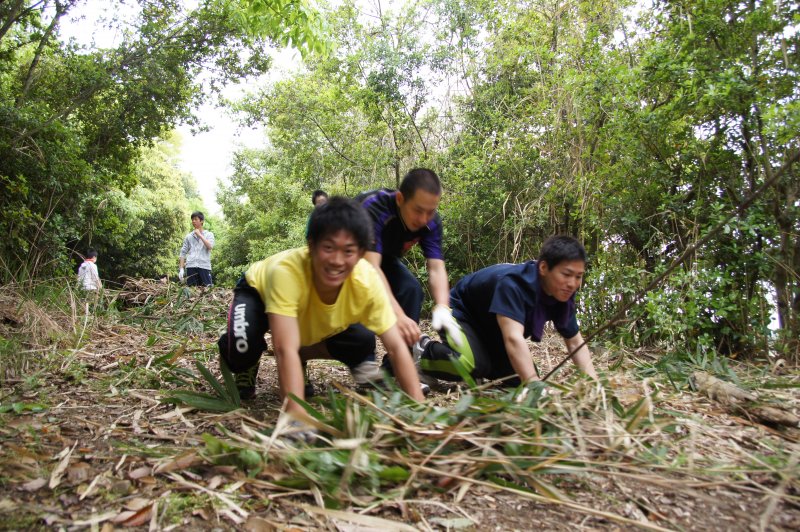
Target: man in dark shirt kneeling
500	306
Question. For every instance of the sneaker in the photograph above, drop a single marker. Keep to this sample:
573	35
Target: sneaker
424	387
426	381
419	347
367	373
308	388
246	382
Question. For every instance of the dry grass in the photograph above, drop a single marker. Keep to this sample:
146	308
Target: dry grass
634	452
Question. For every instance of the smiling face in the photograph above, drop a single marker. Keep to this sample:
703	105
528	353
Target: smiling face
563	280
418	210
332	260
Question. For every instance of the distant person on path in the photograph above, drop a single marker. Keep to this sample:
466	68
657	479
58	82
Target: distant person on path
318	197
400	219
500	306
321	301
88	276
196	254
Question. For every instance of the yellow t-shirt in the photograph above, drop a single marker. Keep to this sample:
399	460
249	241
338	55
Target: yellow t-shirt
284	282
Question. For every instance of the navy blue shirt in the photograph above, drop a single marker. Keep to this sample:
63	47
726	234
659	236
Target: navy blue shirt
513	291
392	237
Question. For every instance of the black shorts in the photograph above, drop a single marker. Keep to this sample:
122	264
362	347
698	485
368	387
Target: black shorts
198	277
242	344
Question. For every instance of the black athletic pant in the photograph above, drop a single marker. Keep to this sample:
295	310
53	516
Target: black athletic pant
475	356
243	342
406	290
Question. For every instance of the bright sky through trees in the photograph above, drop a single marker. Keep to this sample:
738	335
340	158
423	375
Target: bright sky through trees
206	155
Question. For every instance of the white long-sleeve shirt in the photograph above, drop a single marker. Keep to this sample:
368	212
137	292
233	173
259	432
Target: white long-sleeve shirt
195	252
88	276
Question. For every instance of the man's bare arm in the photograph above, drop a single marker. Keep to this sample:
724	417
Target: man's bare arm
583	358
286	341
404	369
517	348
438	282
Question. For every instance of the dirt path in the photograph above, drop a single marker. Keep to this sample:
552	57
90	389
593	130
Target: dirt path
88	444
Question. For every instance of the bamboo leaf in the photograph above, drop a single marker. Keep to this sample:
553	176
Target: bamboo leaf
215	384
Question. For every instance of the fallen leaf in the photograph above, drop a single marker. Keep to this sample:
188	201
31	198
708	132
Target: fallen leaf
183	461
139	473
201	513
215	482
94	520
137	503
258	524
79	472
7	505
122	516
135	422
58	472
34	484
137	518
121	487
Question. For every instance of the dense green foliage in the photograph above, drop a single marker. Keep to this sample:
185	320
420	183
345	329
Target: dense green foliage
637	130
636	135
78	122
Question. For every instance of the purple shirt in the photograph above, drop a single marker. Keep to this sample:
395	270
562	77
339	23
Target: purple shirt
392	237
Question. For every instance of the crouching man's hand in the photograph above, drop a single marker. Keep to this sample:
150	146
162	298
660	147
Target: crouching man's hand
443	319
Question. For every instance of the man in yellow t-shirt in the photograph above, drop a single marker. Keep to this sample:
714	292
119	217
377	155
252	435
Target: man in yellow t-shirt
321	301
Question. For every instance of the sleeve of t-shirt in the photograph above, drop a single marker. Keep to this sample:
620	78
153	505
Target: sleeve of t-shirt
210	237
377	214
379	316
431	243
508	300
284	290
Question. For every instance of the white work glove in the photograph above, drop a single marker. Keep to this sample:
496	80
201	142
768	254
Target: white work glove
443	319
181	273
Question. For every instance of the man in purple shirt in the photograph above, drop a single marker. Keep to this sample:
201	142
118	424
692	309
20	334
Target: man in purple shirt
500	306
402	218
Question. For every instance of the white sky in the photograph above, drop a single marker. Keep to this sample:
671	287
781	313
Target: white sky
207	155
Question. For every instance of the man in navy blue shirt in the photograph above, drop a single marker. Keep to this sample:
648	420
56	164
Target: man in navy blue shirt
500	306
402	218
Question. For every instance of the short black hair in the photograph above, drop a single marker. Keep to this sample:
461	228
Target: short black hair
317	193
340	214
91	254
561	248
420	178
198	214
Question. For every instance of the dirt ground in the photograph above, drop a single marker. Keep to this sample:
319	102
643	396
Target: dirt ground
105	453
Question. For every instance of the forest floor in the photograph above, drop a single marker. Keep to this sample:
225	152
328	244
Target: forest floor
86	441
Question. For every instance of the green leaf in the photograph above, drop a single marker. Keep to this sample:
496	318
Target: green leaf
222	393
394	474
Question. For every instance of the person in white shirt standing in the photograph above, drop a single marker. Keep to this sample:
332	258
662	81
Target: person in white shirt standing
196	254
88	276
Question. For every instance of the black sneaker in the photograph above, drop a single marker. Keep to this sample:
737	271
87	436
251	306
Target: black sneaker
426	381
246	382
419	347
